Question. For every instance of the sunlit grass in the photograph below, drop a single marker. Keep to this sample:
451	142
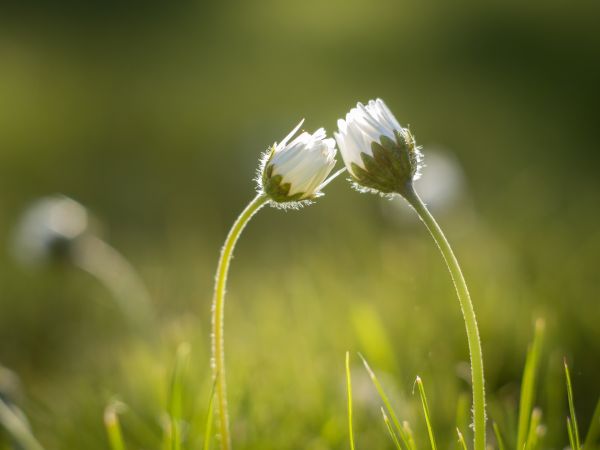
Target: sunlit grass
285	400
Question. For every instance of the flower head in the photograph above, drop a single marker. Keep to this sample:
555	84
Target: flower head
48	230
380	154
295	170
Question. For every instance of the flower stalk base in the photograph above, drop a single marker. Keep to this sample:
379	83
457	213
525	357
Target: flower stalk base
218	350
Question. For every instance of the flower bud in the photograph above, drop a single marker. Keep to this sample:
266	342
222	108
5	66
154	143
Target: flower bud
295	172
380	155
48	229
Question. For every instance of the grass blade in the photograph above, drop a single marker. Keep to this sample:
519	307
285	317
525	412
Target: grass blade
390	429
571	434
349	389
410	439
529	383
16	425
386	401
461	440
419	384
176	396
209	418
594	430
113	426
499	439
572	421
533	434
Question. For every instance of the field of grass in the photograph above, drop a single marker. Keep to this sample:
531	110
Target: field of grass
154	119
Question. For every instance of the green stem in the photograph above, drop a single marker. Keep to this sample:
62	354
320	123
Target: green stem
467	310
218	351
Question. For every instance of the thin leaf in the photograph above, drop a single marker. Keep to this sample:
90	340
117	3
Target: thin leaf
410	439
461	440
113	426
571	434
572	423
419	384
534	425
390	429
209	417
529	383
349	389
386	402
499	439
176	395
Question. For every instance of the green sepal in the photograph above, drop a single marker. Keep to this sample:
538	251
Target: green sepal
277	190
392	166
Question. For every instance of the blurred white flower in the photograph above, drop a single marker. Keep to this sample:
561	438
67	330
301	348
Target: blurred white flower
379	153
48	228
297	170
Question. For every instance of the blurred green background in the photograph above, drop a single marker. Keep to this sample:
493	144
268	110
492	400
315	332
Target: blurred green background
153	116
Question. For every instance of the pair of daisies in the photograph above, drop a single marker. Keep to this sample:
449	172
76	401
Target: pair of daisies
379	154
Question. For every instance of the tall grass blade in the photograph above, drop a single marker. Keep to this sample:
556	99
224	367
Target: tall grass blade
419	384
390	429
571	434
461	440
349	389
534	426
113	426
410	439
386	401
209	418
529	382
15	423
572	422
594	430
175	407
499	439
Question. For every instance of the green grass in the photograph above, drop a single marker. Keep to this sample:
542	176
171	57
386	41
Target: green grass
113	426
349	388
528	386
572	427
184	396
427	415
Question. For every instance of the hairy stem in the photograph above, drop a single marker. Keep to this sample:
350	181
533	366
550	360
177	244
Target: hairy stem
467	310
218	351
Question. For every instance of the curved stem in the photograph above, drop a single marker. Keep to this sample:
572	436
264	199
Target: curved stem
467	310
218	351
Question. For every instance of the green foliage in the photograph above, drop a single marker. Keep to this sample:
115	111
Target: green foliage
175	408
461	440
419	384
401	430
499	439
528	386
113	426
572	426
209	420
390	429
349	388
